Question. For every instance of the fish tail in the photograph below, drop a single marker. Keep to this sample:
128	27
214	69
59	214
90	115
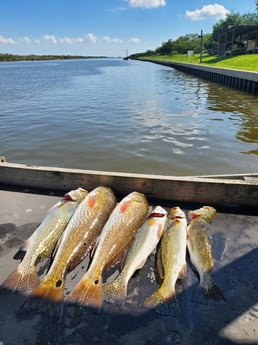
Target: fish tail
87	292
22	281
158	297
46	298
209	288
115	292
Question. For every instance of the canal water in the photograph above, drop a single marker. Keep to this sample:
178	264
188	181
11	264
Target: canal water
131	116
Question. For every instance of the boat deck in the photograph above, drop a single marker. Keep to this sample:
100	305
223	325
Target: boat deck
192	319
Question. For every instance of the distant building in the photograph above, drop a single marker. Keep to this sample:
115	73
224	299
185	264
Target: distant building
239	39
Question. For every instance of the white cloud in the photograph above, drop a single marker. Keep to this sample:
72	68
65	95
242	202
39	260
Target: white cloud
37	41
72	40
91	37
50	38
216	10
109	39
147	3
135	40
5	40
26	40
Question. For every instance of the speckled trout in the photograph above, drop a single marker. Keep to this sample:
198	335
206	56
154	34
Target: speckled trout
142	246
41	243
199	249
78	237
171	258
116	236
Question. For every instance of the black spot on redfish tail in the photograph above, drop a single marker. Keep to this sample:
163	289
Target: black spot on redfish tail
210	289
87	293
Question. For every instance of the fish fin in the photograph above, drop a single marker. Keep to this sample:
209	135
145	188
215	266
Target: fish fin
159	265
117	258
20	254
57	244
158	297
115	292
123	259
21	281
45	298
87	292
22	250
210	289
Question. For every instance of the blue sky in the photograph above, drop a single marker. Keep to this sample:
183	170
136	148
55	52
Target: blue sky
105	27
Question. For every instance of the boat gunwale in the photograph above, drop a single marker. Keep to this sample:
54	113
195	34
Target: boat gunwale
237	190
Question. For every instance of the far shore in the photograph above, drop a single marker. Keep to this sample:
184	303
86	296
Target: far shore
12	57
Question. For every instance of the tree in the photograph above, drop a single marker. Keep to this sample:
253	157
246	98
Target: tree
165	49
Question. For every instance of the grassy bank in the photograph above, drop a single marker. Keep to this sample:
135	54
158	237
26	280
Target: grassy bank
248	62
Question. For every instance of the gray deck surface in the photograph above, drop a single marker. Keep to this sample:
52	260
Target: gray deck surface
192	319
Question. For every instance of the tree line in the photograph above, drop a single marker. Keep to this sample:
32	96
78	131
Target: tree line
209	41
13	57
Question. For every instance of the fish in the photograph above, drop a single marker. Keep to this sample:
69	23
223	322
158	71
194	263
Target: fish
171	258
78	238
199	249
42	242
142	246
117	234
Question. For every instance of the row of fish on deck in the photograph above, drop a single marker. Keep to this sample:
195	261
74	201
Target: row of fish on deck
94	223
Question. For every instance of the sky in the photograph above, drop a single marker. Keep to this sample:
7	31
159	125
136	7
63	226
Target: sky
106	27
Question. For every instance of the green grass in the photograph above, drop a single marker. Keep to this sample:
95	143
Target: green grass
247	62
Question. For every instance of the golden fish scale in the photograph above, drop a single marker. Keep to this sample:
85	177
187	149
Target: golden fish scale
44	243
200	244
52	226
124	227
82	231
171	244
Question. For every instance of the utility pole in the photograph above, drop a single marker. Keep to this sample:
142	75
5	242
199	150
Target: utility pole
201	36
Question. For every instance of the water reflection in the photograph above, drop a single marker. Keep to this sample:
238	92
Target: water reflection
125	116
241	108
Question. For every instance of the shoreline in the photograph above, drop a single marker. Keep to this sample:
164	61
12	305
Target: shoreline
238	79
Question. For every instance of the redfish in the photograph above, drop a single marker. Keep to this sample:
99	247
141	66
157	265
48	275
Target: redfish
199	249
142	246
117	234
41	243
171	258
80	234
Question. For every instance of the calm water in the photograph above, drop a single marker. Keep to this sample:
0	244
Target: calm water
110	114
